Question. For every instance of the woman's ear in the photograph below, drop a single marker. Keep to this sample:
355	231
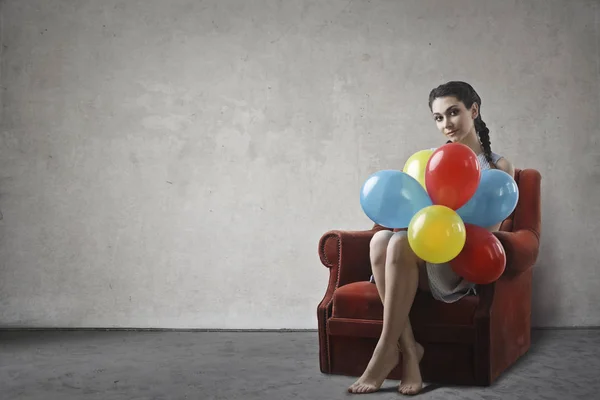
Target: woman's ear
475	110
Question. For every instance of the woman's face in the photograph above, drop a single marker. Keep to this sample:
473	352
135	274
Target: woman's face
453	119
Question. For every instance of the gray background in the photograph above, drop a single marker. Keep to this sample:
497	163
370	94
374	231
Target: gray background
173	164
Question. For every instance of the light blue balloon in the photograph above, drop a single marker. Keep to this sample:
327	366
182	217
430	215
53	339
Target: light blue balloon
391	198
495	199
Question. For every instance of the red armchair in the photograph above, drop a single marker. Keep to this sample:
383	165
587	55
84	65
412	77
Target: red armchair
470	342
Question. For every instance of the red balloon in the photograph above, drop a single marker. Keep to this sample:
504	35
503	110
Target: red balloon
483	259
452	175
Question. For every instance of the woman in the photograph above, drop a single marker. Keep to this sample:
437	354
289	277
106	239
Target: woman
397	271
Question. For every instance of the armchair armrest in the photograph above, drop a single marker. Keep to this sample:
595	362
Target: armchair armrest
521	248
346	253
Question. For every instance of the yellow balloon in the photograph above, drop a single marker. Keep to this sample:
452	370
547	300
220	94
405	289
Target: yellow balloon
415	165
437	234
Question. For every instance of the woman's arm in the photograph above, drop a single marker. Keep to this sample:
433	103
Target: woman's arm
506	166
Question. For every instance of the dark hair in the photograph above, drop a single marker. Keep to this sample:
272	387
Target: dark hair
465	93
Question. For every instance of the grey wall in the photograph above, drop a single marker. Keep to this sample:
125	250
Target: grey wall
173	164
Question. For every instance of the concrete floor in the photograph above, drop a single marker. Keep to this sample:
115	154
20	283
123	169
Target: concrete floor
45	365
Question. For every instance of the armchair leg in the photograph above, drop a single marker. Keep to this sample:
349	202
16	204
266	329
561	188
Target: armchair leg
322	315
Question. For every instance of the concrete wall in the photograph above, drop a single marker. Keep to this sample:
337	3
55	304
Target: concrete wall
173	164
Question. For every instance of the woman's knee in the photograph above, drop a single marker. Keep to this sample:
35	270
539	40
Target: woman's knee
399	239
379	244
381	239
399	248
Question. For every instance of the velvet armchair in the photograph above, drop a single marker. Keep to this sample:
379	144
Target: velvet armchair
469	342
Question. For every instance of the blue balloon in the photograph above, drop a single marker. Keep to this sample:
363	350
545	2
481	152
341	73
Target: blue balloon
495	199
391	198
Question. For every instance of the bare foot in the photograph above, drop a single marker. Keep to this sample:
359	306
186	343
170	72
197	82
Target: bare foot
381	364
412	383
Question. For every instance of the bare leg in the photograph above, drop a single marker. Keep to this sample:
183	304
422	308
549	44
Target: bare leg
412	351
412	354
379	246
398	282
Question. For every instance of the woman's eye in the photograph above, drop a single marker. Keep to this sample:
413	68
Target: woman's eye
453	112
